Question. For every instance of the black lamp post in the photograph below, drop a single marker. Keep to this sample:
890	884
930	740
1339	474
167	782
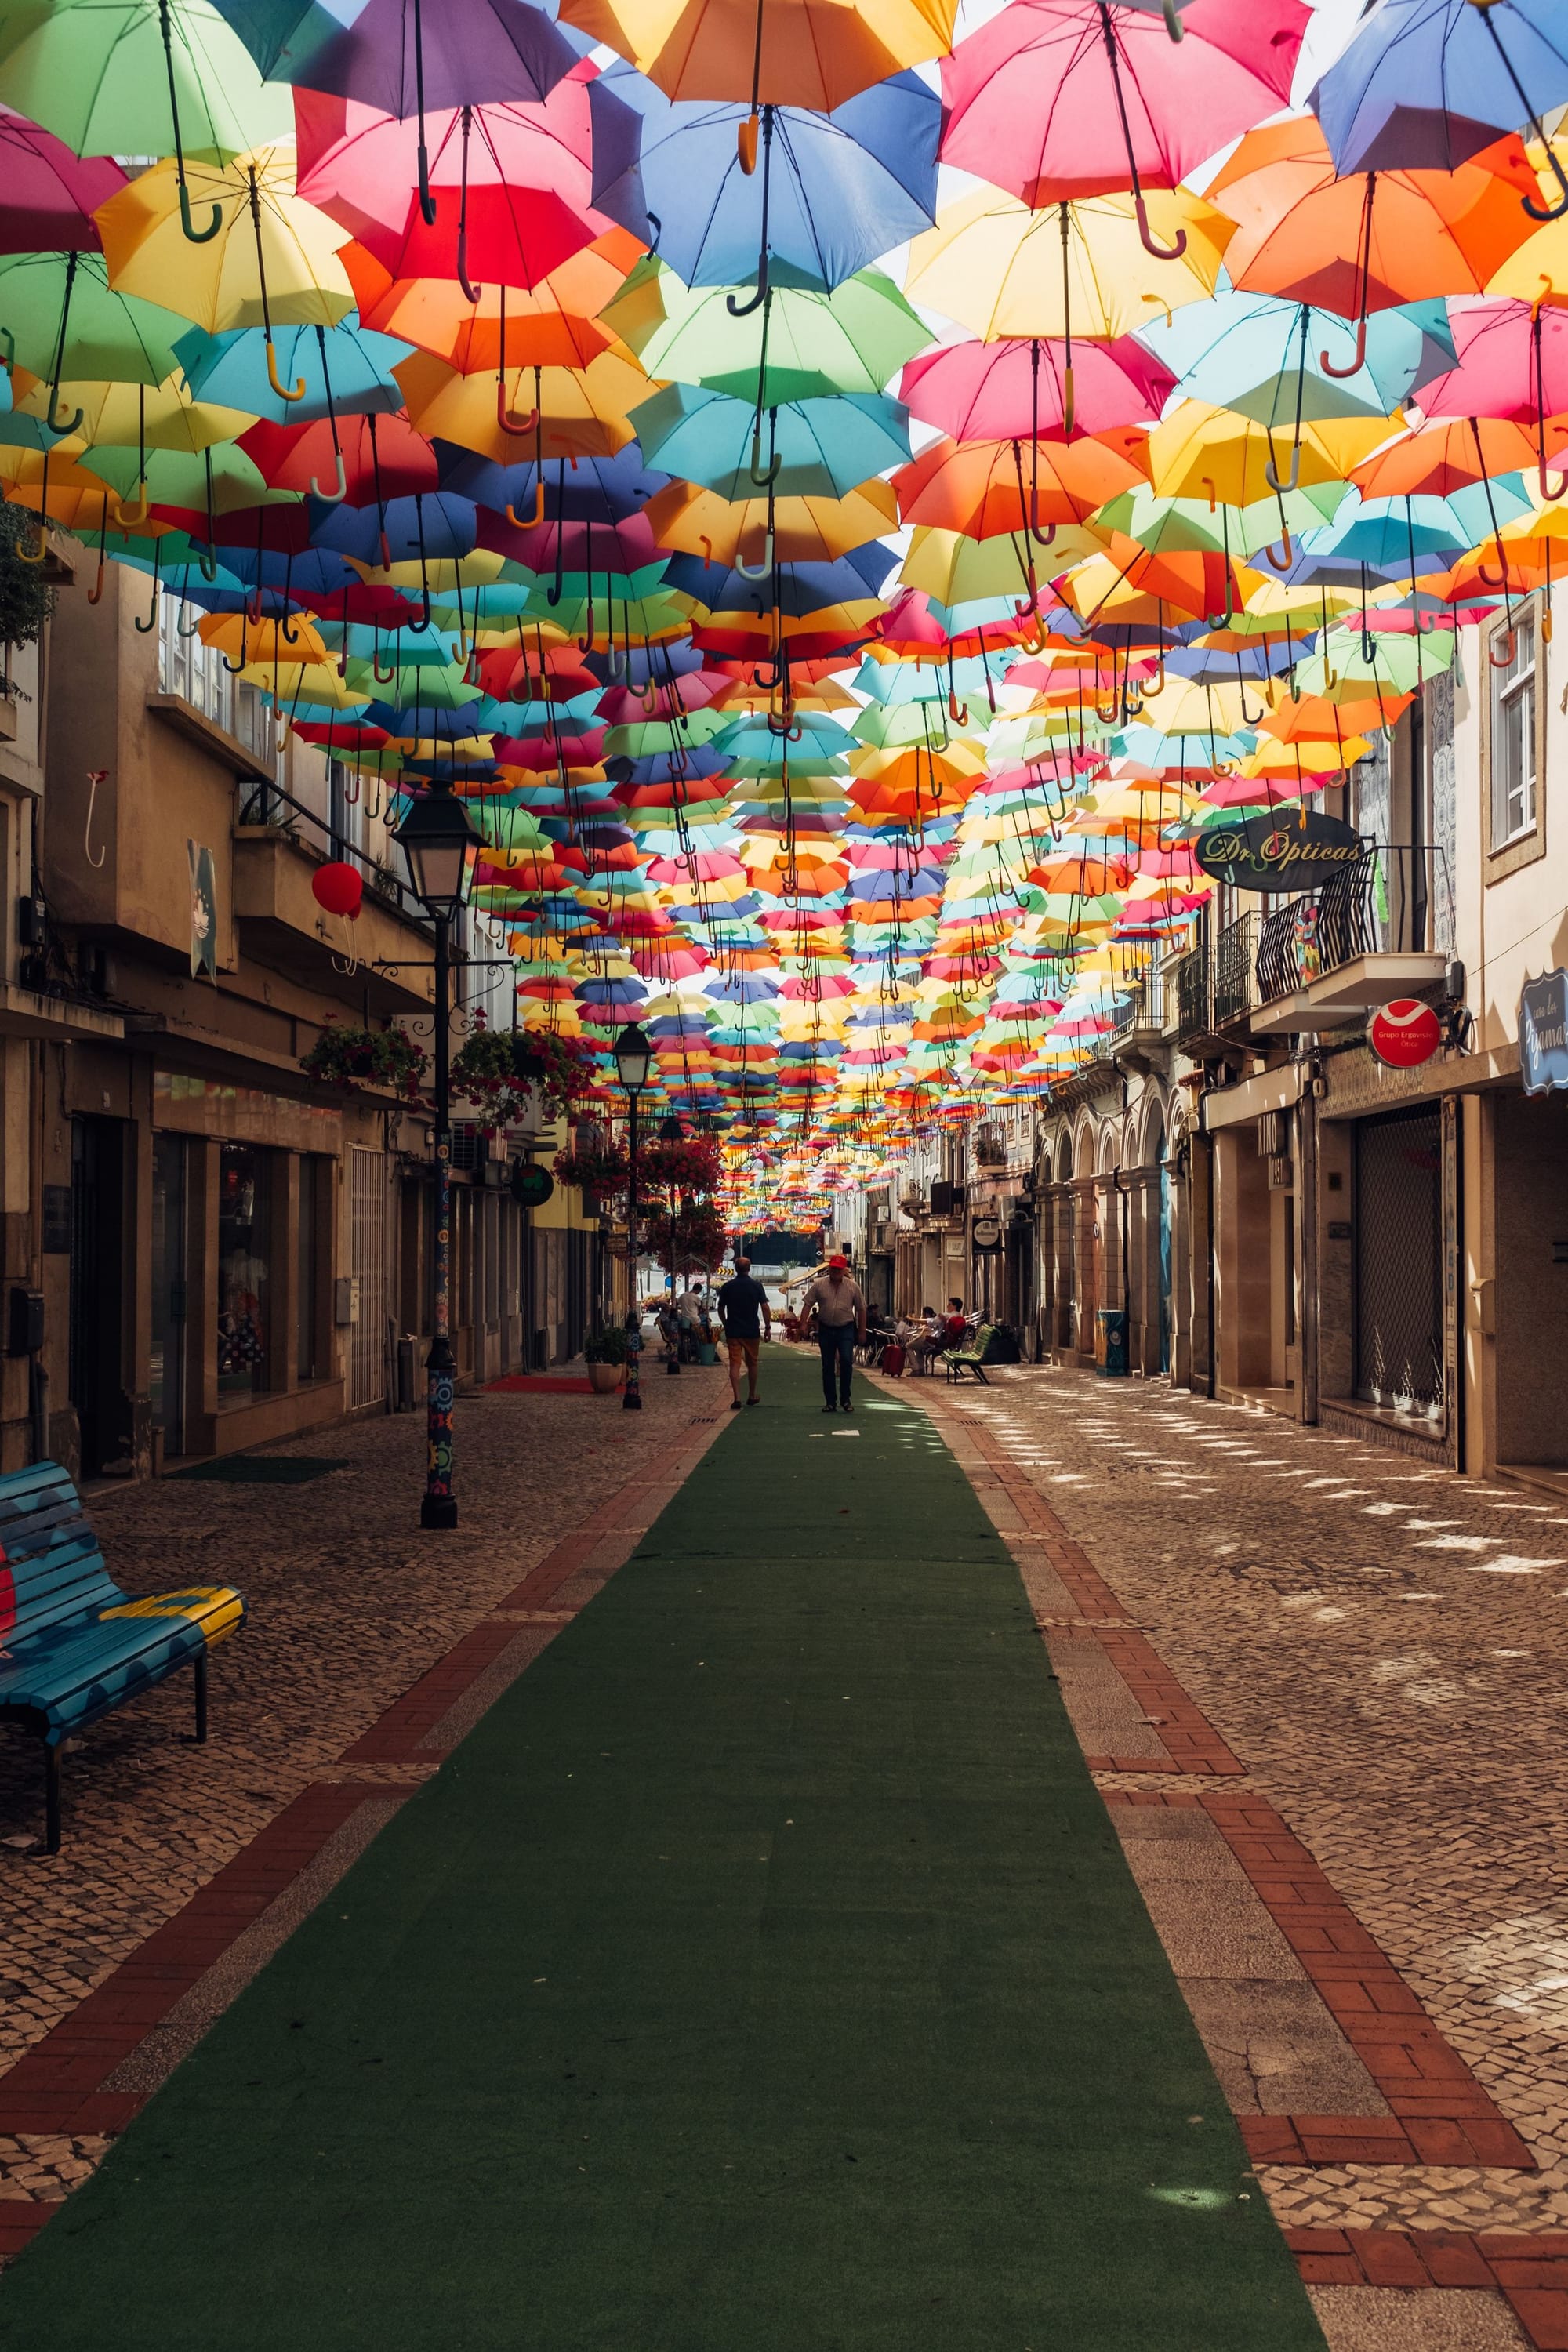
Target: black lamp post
436	836
633	1060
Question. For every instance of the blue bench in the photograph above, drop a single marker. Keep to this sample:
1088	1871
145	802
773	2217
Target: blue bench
72	1646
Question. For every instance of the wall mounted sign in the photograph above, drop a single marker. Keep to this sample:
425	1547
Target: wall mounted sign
985	1235
530	1186
1404	1033
1543	1034
1289	852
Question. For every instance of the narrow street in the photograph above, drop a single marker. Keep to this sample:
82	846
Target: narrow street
1301	1672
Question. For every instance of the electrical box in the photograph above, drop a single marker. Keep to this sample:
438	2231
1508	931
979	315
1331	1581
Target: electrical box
346	1299
32	923
1279	1172
26	1335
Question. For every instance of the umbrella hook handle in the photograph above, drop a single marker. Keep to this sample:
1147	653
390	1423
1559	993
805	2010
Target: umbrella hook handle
335	496
1536	212
1488	579
95	594
763	475
195	236
1358	360
1173	22
1271	474
1149	241
131	518
417	628
470	291
52	421
507	418
757	570
744	310
234	668
1280	562
180	628
1504	644
532	521
381	676
275	380
144	628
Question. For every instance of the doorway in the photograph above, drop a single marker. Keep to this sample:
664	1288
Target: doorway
166	1362
97	1285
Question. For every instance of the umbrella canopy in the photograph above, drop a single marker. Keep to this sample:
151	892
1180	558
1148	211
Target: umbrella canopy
806	53
110	81
393	56
824	446
272	258
1426	84
853	339
836	190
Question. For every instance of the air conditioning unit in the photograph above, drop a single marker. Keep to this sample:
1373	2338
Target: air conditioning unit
470	1148
946	1199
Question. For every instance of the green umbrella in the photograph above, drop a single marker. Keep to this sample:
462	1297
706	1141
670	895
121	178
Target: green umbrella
803	343
108	337
826	447
1190	526
178	477
97	74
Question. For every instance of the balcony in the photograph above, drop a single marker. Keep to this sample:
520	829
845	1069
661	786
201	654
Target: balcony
279	843
1326	960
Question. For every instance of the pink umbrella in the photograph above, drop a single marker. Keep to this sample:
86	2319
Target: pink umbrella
1015	390
518	179
1513	366
1058	99
51	194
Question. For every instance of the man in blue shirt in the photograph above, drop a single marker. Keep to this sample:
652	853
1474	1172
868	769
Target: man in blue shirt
743	1310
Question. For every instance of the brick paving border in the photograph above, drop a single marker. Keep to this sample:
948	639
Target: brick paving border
1440	2115
57	2088
1529	2272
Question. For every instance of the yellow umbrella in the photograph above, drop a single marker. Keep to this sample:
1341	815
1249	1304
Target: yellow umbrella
809	53
791	531
566	412
274	256
262	642
997	269
959	570
137	416
1214	453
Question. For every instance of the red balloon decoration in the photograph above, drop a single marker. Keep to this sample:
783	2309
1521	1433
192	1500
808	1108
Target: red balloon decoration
338	888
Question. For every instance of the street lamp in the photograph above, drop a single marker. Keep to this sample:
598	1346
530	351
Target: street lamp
436	836
633	1060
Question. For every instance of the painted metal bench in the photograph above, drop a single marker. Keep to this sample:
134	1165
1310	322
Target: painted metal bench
972	1358
73	1646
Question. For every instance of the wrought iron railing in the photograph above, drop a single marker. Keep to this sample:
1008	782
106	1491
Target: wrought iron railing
1397	899
1235	958
270	805
1187	980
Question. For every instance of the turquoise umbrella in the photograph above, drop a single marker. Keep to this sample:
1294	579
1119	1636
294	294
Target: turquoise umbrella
1245	352
824	447
345	368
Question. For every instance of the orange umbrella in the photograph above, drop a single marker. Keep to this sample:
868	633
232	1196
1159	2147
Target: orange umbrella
582	411
788	531
1376	239
811	53
552	324
1448	453
984	488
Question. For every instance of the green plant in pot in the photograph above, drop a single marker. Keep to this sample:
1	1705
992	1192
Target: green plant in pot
605	1353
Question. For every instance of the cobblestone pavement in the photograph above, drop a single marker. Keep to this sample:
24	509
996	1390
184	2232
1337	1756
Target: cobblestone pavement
1383	1646
349	1604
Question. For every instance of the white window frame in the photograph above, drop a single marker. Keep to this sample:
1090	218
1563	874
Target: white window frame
1514	781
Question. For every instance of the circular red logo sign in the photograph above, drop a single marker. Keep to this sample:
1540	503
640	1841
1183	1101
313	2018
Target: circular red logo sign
1404	1033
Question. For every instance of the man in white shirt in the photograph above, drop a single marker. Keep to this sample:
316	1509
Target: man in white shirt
833	1313
689	1306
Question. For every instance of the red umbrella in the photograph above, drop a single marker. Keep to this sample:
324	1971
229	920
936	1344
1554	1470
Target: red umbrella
1058	99
51	194
393	461
1016	389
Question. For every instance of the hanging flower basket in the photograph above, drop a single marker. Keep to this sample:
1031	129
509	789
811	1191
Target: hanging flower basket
597	1170
693	1238
562	1068
351	1058
691	1166
485	1073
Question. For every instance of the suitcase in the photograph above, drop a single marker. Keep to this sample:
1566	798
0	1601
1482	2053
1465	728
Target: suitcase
892	1361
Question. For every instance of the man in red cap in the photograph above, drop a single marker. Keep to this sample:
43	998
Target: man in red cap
835	1311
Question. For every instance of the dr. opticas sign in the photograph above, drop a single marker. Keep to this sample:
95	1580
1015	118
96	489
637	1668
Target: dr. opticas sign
1293	853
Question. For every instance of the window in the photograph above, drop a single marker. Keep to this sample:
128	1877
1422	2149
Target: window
244	1271
1513	734
198	674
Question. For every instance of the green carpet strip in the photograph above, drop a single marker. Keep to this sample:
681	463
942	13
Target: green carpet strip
760	1974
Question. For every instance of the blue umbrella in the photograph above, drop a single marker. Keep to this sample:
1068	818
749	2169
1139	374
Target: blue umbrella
595	489
1426	83
1246	352
802	587
834	190
346	369
824	447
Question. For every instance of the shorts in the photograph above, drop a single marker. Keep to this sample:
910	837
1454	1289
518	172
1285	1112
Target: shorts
746	1351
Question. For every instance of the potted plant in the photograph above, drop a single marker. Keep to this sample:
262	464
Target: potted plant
350	1058
485	1072
691	1165
597	1168
562	1068
605	1353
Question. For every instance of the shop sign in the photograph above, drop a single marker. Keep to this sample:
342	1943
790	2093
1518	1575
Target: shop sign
985	1234
531	1185
1404	1033
1298	851
1543	1034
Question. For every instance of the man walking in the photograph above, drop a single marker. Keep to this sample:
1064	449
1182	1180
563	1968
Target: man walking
745	1312
835	1310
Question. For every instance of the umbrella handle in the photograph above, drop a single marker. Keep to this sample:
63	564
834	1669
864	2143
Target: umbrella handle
1357	358
532	521
744	310
335	497
746	143
1280	562
1499	580
53	423
1173	22
1549	492
960	717
206	564
131	518
1149	242
197	236
144	628
382	678
757	570
95	594
507	420
287	631
763	475
470	292
1272	472
426	201
416	629
275	380
1507	643
180	628
36	555
385	553
1206	482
